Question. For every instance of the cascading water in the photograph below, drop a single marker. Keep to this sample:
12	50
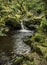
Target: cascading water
13	45
23	28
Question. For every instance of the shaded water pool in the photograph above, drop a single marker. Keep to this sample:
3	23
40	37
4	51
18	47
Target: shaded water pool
13	45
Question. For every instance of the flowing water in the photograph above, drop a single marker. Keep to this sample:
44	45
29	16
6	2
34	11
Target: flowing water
22	26
13	45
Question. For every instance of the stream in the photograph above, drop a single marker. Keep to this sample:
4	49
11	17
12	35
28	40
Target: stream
13	45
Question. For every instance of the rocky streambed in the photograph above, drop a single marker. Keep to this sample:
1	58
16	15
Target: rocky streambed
13	47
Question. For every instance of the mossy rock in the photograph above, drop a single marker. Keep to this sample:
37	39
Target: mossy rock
43	50
38	37
17	60
30	25
3	30
27	62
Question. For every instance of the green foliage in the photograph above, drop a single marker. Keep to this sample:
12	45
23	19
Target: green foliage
38	38
21	7
12	11
28	62
43	24
43	50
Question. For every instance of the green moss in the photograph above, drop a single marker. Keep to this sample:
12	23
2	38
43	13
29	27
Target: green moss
43	50
28	62
17	60
38	37
43	24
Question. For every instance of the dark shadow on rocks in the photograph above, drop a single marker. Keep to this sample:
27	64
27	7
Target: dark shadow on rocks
12	24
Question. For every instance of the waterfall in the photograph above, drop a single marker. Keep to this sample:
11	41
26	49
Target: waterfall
22	26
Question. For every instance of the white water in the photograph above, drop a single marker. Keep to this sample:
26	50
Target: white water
23	34
23	28
20	47
15	45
